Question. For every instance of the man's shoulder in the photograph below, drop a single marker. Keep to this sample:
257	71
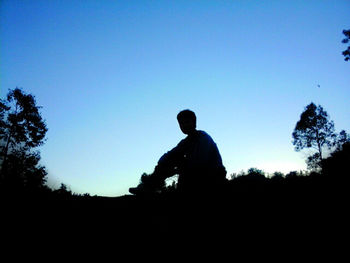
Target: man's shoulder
204	135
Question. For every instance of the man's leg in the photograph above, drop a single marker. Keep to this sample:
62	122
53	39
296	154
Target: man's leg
152	183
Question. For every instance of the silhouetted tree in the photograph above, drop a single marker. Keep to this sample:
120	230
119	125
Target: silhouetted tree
277	176
63	192
292	174
346	40
23	170
22	129
314	130
256	172
253	180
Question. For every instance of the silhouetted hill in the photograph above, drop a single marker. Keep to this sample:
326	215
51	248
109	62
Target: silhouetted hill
292	216
296	210
243	200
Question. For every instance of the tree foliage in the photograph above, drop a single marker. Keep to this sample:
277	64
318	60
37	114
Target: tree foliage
314	130
342	139
24	125
346	40
22	129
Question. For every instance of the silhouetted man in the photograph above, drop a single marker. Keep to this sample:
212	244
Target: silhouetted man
196	159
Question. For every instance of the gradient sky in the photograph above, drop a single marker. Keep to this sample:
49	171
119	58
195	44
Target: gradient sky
112	75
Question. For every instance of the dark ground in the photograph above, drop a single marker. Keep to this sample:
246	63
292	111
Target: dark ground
249	219
260	219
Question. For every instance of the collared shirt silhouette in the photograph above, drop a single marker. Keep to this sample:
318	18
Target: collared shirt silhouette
196	159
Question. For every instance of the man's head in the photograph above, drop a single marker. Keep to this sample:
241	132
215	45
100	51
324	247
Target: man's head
187	121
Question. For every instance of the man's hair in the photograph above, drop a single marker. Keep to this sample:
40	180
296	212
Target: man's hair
186	114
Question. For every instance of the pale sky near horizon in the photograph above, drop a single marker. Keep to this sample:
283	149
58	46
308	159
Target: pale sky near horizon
112	76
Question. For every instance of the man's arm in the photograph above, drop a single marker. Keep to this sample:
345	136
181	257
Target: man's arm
170	160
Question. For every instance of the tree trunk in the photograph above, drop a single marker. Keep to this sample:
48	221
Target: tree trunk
319	146
320	150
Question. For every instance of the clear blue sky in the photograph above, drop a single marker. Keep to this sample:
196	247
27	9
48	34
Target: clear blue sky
112	75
